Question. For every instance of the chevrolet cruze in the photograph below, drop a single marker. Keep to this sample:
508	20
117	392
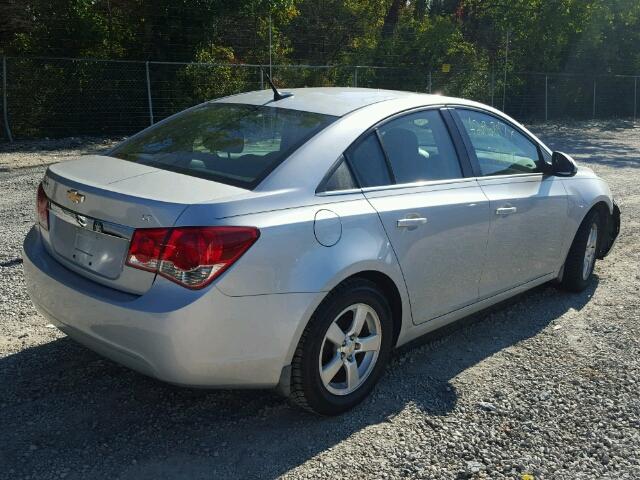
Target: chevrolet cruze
293	240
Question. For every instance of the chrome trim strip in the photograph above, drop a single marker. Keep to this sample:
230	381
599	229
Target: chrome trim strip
332	193
90	223
511	175
426	183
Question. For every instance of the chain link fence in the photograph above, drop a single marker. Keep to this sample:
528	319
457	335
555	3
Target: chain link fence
57	97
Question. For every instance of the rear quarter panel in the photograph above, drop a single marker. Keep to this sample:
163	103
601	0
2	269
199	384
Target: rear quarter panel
288	258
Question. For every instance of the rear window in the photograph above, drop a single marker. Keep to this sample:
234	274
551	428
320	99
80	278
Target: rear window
229	143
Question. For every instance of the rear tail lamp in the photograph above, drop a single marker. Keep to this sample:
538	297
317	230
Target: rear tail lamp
42	208
190	256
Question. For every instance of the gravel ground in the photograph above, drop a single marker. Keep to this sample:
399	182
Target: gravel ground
545	386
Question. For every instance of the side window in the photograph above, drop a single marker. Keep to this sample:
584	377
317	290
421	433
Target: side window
419	148
368	163
340	179
501	150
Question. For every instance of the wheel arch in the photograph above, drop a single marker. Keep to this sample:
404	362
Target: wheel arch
390	291
399	303
389	281
601	207
604	209
610	217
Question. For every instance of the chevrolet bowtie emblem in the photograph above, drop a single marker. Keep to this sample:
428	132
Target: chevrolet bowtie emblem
75	196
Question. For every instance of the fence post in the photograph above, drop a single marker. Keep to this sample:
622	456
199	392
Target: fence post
635	98
546	98
594	98
493	84
355	77
146	64
430	84
261	79
4	99
504	81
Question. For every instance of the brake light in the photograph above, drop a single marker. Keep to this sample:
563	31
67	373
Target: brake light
42	208
190	256
146	247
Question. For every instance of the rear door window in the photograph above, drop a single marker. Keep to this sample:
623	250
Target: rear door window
230	143
419	148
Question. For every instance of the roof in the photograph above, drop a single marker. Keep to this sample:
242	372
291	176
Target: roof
336	101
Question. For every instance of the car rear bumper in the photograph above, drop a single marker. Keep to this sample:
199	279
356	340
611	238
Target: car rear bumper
197	338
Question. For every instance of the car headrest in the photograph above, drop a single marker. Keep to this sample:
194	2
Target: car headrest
401	142
290	133
227	141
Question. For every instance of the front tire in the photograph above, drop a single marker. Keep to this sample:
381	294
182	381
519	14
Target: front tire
578	268
344	349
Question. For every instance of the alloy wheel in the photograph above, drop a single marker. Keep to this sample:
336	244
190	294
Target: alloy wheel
350	349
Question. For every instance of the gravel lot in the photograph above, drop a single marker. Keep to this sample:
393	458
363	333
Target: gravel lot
545	385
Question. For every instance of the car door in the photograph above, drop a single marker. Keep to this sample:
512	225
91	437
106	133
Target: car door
436	218
528	207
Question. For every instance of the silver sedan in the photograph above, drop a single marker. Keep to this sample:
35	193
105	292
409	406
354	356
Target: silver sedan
294	240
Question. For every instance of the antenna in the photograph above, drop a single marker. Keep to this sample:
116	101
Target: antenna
276	94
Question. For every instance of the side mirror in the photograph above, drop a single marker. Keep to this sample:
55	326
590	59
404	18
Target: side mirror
562	165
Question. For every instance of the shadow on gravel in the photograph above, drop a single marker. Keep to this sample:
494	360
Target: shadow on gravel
65	410
599	149
11	263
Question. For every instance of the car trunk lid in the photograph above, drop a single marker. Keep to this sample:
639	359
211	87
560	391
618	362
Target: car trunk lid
96	204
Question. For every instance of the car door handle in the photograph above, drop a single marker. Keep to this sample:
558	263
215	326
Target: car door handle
411	222
506	210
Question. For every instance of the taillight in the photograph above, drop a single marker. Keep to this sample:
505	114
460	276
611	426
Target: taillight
190	256
146	247
42	208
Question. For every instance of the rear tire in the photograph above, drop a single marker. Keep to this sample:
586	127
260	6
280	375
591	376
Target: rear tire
335	367
581	259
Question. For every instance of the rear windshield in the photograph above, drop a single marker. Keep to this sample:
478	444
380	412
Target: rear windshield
226	142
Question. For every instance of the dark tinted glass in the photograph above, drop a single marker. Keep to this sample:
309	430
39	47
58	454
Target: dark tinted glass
501	149
230	143
369	163
419	148
340	179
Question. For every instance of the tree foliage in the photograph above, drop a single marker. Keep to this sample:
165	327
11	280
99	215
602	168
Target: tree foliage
550	36
411	37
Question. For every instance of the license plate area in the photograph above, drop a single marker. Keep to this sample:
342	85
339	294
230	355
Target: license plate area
85	247
81	240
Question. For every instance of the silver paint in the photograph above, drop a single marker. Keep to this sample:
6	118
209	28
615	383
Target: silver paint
243	329
327	227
